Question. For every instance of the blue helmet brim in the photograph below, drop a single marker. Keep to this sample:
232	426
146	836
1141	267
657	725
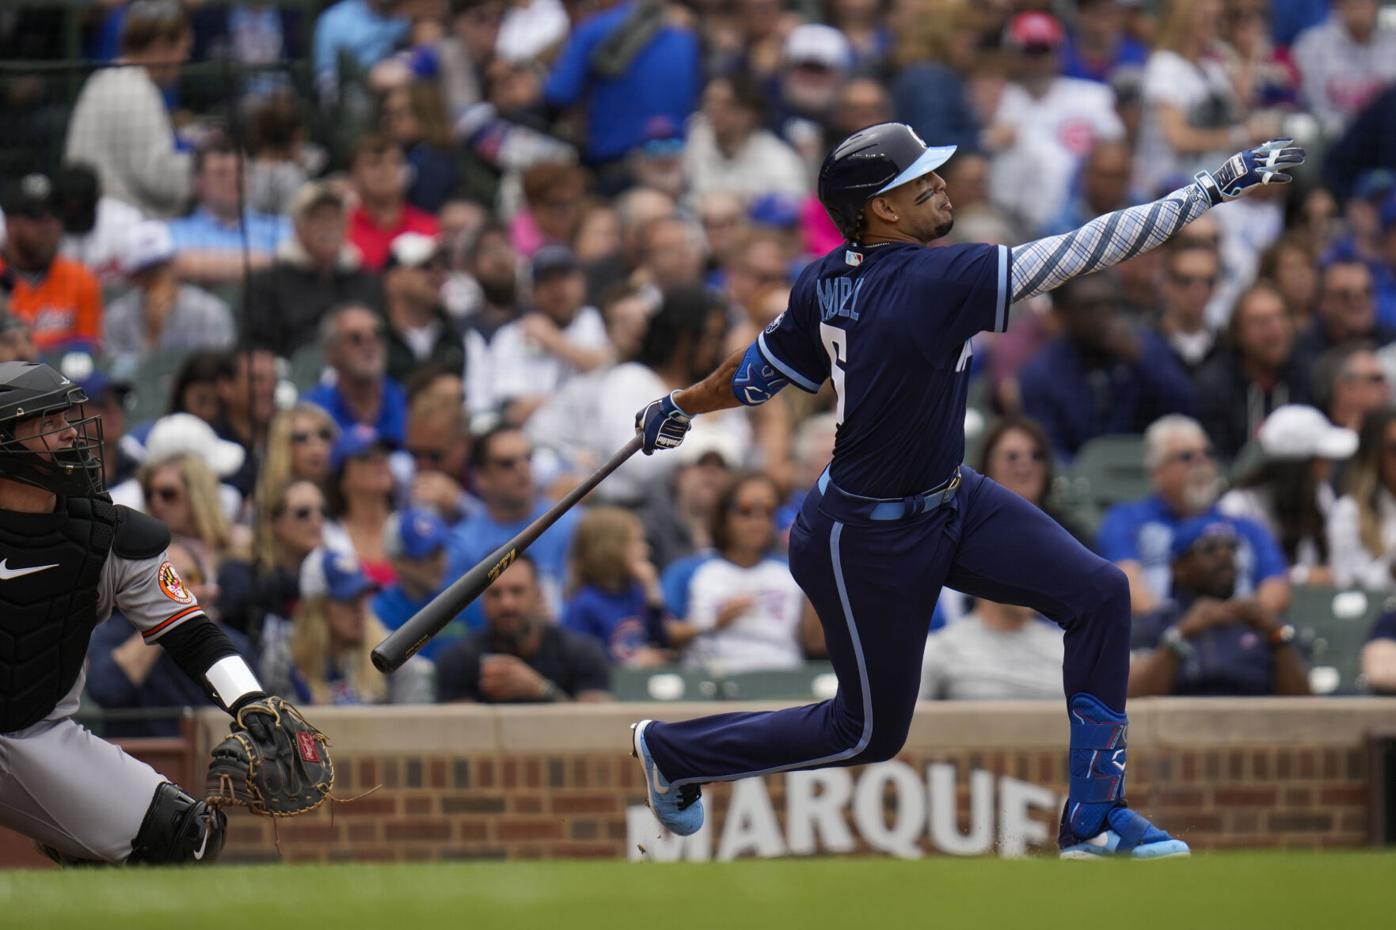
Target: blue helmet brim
930	160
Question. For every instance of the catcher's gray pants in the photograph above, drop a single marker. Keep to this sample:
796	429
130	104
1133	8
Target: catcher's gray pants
73	792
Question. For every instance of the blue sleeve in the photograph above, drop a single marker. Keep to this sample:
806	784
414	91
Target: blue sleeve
791	342
106	682
568	80
325	48
1269	560
1117	540
579	614
675	582
964	290
1385	627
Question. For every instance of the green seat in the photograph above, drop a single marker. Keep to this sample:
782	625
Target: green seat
1109	470
152	384
1333	625
811	681
307	364
665	683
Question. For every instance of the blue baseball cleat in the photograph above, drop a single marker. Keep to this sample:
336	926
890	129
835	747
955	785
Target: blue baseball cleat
1126	835
680	810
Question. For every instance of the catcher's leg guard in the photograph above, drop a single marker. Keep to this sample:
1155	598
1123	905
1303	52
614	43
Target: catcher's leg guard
178	828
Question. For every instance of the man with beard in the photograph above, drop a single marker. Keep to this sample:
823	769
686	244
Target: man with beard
521	656
493	264
1137	536
1207	640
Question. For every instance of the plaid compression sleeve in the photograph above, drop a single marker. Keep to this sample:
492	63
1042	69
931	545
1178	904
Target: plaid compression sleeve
1107	240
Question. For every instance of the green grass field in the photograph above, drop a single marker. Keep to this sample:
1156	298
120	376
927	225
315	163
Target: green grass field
1274	891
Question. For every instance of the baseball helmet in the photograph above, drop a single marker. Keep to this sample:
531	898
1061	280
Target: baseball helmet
29	390
872	161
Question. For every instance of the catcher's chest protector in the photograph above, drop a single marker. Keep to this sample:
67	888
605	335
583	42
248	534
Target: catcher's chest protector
50	566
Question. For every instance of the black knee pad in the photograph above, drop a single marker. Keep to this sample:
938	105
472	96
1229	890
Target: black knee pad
178	828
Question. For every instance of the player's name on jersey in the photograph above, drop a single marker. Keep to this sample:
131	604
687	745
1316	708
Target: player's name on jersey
838	297
1007	816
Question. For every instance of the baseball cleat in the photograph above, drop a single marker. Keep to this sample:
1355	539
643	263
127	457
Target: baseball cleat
1127	835
679	809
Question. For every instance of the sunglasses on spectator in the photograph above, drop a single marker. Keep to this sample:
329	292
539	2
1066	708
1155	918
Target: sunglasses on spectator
360	337
752	509
1366	377
1013	457
168	494
301	438
1192	280
1189	456
305	512
1351	293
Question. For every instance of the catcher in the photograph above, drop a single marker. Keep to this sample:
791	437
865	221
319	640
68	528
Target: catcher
67	557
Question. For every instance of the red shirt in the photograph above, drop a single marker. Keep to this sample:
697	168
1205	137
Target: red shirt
373	240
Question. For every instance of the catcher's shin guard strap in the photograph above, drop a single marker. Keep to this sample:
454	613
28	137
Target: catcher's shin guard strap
1097	765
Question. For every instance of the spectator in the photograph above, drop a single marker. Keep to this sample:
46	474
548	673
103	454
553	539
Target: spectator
531	358
95	226
1103	185
221	240
610	67
1349	383
1100	376
673	255
934	53
415	540
1255	374
106	397
1136	535
744	608
161	314
1378	658
521	655
1208	640
466	49
1045	124
614	595
728	150
195	388
351	37
420	332
678	512
501	464
997	652
1362	525
815	61
553	197
1345	62
182	493
289	528
120	125
415	118
315	269
1192	119
1346	310
438	440
361	494
378	171
360	392
321	655
299	441
59	298
1289	490
1098	47
1290	265
280	157
246	403
126	673
1190	278
1016	453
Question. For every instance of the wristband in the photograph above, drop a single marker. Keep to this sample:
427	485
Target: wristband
1174	641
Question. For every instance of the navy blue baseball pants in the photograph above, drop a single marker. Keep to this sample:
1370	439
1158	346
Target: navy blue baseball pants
874	583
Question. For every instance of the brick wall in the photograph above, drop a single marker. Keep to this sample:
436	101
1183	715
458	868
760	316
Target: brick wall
1225	774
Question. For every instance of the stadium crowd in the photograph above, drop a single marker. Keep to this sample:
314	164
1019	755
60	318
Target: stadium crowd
393	313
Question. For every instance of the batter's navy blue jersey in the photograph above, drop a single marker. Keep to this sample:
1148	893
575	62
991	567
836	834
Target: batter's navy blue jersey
891	325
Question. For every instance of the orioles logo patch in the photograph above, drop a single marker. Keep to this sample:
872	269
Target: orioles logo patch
173	585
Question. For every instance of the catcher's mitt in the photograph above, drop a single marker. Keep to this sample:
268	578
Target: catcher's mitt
274	761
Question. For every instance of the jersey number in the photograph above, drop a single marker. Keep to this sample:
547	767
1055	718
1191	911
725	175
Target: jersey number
836	343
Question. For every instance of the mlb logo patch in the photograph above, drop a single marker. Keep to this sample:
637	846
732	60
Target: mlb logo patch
853	258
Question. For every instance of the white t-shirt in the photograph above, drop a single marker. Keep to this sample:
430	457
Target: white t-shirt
101	249
766	636
1054	134
967	660
518	367
1203	92
764	165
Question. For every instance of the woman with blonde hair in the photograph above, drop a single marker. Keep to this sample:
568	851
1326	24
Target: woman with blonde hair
299	441
322	653
291	525
182	492
614	594
1362	525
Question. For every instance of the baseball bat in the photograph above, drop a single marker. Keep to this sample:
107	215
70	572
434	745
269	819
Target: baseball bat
401	644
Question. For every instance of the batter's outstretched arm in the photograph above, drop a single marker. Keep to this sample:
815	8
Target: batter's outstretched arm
714	392
1107	240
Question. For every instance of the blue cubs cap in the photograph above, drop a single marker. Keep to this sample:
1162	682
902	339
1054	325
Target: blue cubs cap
334	574
1191	532
414	533
355	441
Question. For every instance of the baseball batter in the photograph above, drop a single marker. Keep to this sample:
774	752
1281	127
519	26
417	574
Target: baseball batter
67	557
896	515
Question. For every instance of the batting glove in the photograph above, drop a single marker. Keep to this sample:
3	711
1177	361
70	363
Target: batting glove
1263	164
662	424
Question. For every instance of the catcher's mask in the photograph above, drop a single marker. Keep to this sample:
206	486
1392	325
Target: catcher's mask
58	454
